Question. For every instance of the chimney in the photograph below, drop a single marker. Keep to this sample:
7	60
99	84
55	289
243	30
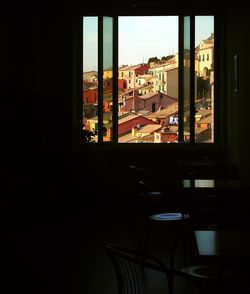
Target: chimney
134	131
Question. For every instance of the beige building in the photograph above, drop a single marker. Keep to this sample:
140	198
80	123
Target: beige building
130	74
165	77
205	55
107	73
90	76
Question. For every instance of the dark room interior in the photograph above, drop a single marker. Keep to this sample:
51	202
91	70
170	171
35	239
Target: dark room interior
62	200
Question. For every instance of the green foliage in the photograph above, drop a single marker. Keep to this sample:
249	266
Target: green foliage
153	59
157	60
88	136
166	58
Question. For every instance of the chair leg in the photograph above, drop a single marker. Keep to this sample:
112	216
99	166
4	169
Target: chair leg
171	284
144	236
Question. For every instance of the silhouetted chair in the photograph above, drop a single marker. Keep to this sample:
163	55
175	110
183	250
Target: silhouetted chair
158	206
139	274
207	169
206	204
212	275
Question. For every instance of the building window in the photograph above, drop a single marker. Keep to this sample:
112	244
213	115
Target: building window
153	107
114	45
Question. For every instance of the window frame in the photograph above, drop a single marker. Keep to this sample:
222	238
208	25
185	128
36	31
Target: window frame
220	119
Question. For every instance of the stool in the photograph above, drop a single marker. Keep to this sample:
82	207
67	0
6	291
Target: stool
151	218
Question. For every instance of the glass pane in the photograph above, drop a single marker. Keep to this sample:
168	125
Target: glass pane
204	61
148	79
90	74
107	78
186	78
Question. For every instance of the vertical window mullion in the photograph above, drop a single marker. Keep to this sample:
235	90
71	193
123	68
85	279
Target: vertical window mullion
192	79
115	79
215	106
180	81
100	79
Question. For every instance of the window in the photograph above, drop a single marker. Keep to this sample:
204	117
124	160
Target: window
153	107
174	79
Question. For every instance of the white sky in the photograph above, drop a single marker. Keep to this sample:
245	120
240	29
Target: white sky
142	37
148	36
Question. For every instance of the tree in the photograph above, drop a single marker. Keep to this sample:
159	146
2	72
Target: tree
166	58
153	59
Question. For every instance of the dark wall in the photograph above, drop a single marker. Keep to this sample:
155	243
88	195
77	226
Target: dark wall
44	184
39	81
238	139
36	95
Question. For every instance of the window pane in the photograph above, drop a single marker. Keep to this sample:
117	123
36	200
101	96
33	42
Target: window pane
90	74
148	79
107	78
204	59
147	85
186	78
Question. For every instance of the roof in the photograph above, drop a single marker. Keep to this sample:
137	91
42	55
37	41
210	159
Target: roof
148	139
203	112
127	138
199	131
152	94
205	120
150	128
90	72
131	67
107	116
144	87
169	129
143	112
166	112
209	40
127	117
148	95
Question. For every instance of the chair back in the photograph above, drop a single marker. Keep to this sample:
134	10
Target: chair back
207	171
215	273
158	191
138	273
133	270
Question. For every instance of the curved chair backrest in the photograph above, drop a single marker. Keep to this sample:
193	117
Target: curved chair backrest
210	222
157	179
220	274
228	171
157	189
133	271
130	268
